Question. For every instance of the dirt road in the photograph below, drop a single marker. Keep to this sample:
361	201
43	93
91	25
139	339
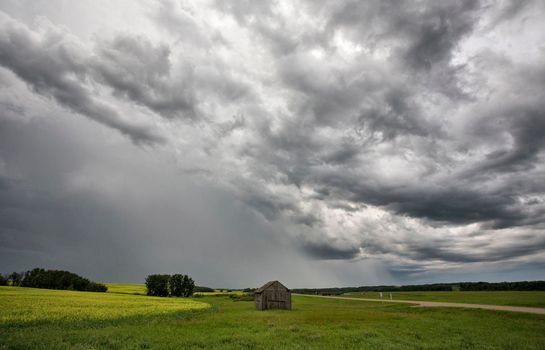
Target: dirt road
531	310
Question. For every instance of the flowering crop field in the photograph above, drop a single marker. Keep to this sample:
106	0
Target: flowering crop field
21	306
126	288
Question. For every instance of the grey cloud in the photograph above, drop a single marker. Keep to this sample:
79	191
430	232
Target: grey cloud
437	32
272	206
510	10
397	115
136	68
178	20
200	75
118	214
244	10
327	251
368	131
446	203
416	253
421	38
469	252
53	67
425	33
526	128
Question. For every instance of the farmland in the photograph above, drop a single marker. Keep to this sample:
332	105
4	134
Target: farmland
531	299
126	288
140	289
45	319
28	306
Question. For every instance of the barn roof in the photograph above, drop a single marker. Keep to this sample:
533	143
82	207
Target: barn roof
267	285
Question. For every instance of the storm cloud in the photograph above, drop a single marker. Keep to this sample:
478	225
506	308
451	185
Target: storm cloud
363	141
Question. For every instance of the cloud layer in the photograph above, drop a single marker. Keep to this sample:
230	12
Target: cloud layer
391	142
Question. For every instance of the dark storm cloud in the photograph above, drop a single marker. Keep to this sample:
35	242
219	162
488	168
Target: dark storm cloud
429	42
410	134
374	103
527	132
450	204
437	31
69	202
272	206
328	251
373	113
470	252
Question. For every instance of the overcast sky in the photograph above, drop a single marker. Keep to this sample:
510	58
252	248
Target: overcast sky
321	143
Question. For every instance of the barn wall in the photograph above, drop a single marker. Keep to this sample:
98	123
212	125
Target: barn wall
259	302
274	296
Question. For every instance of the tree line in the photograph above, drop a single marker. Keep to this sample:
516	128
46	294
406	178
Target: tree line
162	285
51	279
446	287
514	286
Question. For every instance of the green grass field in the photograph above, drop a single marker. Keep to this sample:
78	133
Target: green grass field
534	299
44	319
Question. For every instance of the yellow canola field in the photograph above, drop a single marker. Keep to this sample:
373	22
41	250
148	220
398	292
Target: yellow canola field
25	305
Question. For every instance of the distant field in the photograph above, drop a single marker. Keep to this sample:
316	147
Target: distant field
126	288
218	293
534	299
43	319
140	289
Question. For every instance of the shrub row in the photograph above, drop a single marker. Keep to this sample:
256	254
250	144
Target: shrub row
514	286
53	279
177	285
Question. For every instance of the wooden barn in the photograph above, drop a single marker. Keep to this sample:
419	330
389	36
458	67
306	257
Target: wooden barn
273	295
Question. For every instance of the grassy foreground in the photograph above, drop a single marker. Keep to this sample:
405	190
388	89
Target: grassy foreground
314	323
532	299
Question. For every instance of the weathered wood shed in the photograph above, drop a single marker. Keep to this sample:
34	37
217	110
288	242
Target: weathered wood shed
273	295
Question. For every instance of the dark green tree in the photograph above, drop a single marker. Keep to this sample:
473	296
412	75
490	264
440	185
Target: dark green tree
157	285
56	279
188	286
176	285
15	278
